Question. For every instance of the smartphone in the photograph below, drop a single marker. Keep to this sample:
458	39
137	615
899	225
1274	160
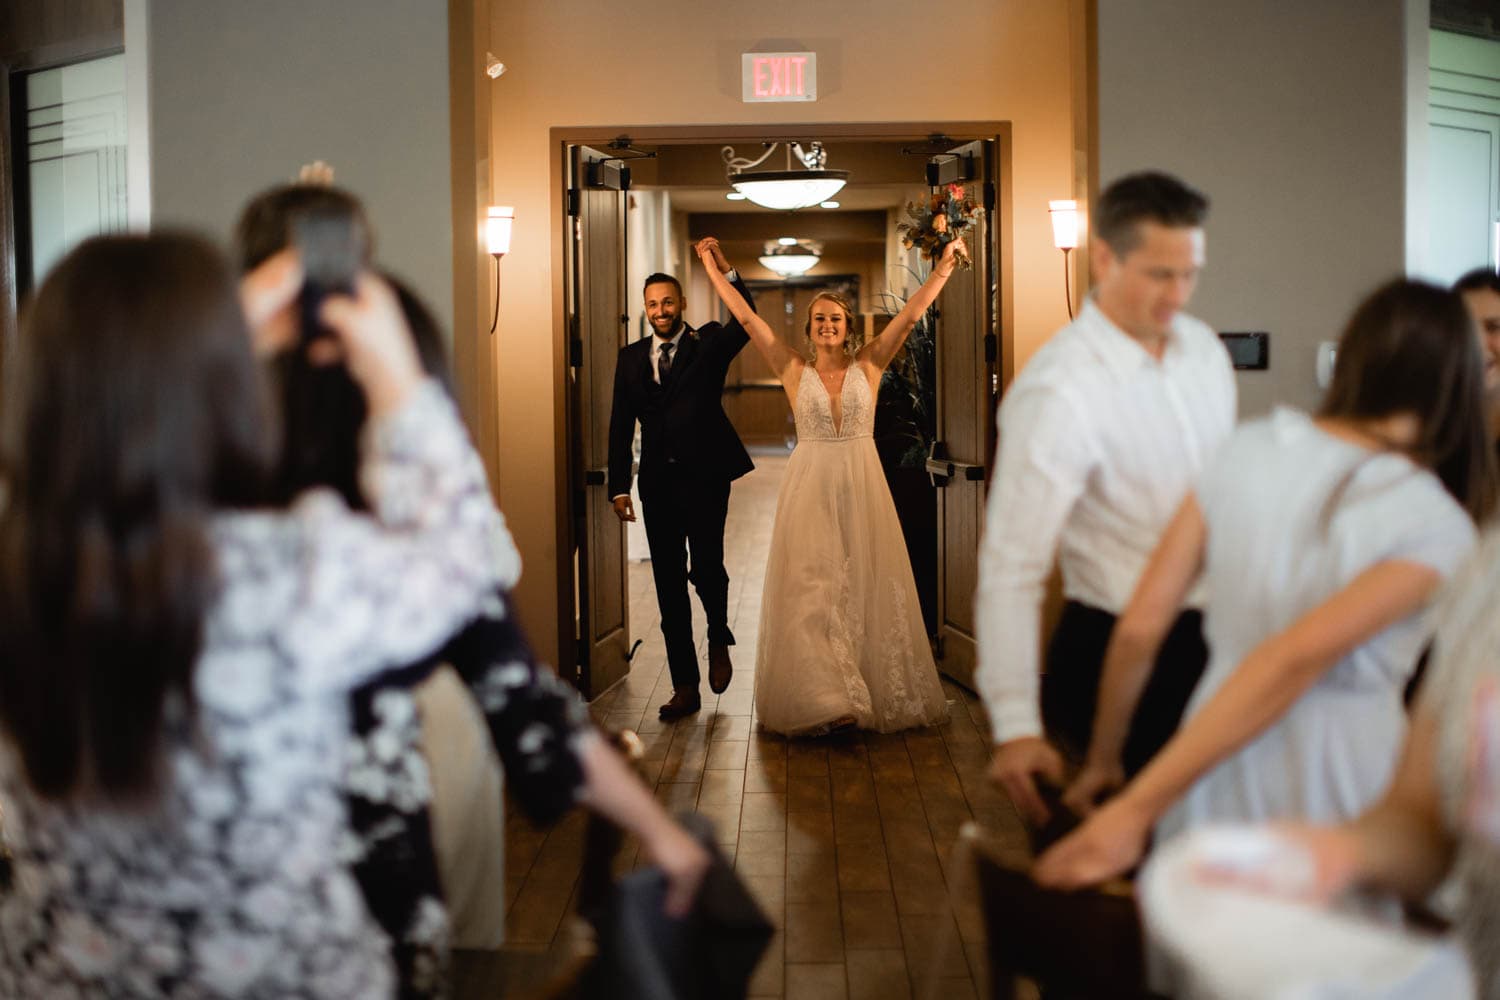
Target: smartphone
332	247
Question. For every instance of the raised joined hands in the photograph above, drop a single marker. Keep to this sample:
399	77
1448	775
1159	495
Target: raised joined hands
708	251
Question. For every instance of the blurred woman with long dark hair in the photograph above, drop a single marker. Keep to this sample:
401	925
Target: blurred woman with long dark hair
176	654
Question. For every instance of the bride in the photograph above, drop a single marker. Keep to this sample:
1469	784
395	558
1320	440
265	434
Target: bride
842	642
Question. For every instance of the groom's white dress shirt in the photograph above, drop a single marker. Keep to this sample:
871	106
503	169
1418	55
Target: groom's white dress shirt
1099	443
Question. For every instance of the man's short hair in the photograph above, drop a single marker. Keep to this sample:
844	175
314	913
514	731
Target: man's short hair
1477	280
662	279
1149	196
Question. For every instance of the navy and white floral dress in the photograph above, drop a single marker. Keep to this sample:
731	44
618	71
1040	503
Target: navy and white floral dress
536	723
235	883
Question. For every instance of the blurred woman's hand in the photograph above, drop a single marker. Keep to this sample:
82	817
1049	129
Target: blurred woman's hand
1109	843
1093	783
371	334
268	295
683	860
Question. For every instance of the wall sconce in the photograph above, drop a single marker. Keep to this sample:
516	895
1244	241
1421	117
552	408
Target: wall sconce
1065	238
497	229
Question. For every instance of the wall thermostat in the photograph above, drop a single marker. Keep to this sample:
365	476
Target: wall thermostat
1248	351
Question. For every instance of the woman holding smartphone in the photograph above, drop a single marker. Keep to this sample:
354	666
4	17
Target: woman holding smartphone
176	655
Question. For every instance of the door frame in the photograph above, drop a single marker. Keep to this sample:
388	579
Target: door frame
561	138
37	43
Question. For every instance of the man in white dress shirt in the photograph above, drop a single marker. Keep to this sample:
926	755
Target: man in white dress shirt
1101	435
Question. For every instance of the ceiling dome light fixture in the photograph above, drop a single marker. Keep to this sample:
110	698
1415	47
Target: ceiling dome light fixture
791	260
829	204
785	190
734	196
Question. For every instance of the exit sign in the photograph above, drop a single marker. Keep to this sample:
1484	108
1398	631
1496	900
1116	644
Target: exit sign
779	76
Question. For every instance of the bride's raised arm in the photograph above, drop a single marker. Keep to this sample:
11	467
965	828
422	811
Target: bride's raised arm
770	346
879	352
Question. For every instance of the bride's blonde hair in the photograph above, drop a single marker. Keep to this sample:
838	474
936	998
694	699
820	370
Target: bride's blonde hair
851	336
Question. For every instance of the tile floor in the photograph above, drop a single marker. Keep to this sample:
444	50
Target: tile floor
849	843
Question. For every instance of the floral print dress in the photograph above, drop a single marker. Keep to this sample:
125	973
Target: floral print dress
536	722
234	882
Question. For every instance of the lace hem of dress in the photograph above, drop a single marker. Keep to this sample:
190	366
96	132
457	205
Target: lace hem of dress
845	627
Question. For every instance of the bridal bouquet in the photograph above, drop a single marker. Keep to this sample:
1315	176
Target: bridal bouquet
940	220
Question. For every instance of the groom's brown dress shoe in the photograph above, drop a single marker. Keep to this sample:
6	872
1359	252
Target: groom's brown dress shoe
719	668
685	701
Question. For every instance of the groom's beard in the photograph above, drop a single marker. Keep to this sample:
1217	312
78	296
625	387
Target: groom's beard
676	328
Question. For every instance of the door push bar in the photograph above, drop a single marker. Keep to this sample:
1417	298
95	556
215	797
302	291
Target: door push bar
944	470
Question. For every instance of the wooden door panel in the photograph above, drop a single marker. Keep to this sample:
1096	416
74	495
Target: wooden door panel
598	320
965	410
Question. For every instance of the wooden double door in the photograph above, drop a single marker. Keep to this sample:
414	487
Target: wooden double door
966	388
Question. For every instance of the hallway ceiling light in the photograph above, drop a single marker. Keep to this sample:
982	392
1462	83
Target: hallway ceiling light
787	241
787	189
734	196
828	204
790	260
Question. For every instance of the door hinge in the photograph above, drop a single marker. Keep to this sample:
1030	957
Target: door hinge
575	343
989	196
938	647
575	202
991	348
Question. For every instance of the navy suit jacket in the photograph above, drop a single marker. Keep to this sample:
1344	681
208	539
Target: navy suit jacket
682	422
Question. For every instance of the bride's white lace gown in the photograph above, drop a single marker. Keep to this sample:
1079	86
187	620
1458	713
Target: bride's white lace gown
841	631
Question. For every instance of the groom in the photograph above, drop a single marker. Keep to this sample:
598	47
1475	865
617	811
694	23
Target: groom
672	383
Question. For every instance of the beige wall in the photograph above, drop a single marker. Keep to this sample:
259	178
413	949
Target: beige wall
1292	117
588	63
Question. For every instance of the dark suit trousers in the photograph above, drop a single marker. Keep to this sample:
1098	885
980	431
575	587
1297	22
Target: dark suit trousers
1075	664
685	514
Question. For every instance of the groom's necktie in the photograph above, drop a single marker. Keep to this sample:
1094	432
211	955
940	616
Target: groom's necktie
664	362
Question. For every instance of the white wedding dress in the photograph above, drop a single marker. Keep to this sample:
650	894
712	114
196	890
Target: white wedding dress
841	631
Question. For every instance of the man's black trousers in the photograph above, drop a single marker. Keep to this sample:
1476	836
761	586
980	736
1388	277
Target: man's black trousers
685	516
1075	661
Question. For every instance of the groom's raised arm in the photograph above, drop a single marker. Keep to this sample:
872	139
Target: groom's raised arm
733	330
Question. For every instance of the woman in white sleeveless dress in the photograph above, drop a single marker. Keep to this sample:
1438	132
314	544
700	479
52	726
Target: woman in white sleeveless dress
842	641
